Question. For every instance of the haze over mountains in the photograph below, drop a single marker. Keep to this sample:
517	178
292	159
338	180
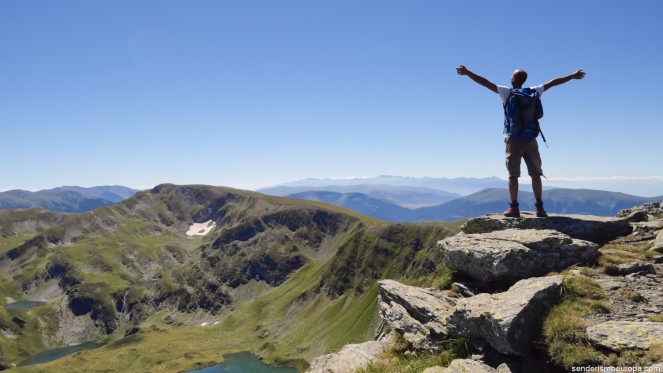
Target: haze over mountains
430	199
461	185
640	186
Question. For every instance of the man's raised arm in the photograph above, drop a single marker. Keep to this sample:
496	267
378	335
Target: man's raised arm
462	70
576	75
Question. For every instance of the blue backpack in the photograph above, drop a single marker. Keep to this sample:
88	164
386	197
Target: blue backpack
522	111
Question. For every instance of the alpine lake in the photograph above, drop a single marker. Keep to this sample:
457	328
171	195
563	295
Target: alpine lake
241	362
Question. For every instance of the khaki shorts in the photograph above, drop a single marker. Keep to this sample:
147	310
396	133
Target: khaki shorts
517	149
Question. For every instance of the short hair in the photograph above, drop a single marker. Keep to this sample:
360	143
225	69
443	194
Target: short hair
519	77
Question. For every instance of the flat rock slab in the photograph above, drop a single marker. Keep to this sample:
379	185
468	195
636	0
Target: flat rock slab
350	358
621	335
596	229
514	254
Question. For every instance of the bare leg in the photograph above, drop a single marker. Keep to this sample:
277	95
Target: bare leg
513	188
537	187
513	211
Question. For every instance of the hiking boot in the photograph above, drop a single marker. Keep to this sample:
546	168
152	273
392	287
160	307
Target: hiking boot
540	212
513	211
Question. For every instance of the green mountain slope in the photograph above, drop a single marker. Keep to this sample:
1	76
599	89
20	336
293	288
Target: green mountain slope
285	278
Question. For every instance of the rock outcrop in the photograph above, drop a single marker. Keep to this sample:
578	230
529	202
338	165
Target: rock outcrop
652	208
513	254
506	321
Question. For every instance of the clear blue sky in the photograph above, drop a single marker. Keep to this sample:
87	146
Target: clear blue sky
251	93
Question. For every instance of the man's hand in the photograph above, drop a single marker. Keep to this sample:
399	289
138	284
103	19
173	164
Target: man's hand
462	70
578	74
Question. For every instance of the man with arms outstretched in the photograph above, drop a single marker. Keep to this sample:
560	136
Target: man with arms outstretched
516	148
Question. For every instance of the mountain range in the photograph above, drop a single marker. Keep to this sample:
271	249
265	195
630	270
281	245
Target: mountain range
66	198
639	186
170	278
461	185
401	195
388	202
490	200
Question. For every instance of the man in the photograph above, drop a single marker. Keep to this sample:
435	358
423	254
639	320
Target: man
515	148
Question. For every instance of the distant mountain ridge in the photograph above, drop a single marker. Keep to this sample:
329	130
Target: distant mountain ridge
360	203
459	185
400	195
66	198
113	193
490	200
643	186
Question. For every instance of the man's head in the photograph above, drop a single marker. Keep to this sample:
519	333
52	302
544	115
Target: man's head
518	78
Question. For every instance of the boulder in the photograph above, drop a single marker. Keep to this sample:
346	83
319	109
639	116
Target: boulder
628	268
350	358
419	315
642	232
657	245
513	254
508	320
620	335
596	229
470	366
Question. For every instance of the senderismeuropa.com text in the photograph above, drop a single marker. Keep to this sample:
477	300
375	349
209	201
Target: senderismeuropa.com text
588	368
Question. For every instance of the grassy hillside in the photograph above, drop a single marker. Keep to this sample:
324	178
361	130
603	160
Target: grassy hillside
285	278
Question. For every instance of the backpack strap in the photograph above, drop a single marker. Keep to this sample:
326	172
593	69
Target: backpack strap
543	138
507	123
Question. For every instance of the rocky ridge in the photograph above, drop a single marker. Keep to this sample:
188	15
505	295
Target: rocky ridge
503	290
